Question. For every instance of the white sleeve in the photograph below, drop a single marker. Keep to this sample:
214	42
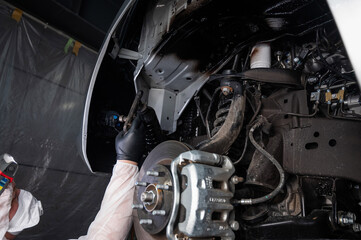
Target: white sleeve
114	218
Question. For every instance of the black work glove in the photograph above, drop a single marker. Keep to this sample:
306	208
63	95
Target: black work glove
130	146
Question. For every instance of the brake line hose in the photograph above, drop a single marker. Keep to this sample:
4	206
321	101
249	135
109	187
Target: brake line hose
250	201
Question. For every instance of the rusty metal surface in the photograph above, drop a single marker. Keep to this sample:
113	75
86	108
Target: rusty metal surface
292	203
261	171
227	134
285	101
324	147
283	77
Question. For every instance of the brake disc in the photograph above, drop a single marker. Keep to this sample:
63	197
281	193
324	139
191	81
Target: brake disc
153	195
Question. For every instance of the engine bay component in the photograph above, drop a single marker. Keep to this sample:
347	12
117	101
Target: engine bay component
261	56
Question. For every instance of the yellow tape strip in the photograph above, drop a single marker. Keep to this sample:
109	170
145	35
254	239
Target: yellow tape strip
17	14
328	96
76	48
340	94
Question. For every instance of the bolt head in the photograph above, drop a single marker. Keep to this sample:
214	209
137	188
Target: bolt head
234	225
225	91
236	179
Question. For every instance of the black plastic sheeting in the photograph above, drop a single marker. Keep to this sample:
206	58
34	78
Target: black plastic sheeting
87	20
42	98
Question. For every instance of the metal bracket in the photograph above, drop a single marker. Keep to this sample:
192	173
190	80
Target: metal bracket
129	54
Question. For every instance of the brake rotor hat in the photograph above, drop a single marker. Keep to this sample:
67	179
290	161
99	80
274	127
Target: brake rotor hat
28	213
5	206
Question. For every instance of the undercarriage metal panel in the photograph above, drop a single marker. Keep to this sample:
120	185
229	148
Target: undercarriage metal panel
324	148
158	71
313	227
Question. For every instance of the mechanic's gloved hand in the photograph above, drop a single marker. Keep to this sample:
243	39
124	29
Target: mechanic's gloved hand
111	119
130	146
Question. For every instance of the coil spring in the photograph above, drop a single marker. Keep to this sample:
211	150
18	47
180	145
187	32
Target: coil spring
189	128
153	132
150	139
221	114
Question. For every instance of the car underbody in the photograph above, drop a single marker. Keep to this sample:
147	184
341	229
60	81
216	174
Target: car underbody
254	119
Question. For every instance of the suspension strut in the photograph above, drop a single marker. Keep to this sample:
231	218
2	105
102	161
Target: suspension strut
229	117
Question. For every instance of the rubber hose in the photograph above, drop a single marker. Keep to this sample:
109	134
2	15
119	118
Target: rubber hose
271	195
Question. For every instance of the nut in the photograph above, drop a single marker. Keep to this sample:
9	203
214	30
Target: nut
236	179
234	225
226	90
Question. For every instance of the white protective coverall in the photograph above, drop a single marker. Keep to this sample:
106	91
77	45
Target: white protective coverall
114	218
5	205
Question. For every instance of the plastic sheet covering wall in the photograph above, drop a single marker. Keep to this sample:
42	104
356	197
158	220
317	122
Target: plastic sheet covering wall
42	97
